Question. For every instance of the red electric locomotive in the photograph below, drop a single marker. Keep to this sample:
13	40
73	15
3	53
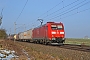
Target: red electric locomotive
50	32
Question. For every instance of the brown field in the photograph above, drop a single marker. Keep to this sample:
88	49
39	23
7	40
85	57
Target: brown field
43	52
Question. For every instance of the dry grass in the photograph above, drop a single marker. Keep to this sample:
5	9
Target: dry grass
56	53
42	52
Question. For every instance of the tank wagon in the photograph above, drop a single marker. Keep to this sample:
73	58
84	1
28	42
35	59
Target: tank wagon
48	33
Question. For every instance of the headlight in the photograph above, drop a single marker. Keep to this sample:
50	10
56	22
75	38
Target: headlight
61	32
53	32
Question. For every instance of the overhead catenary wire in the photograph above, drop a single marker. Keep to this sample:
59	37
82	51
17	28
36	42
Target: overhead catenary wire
49	10
20	26
70	10
52	8
61	8
21	11
55	16
75	13
72	7
19	16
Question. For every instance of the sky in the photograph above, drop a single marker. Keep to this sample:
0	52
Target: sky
74	14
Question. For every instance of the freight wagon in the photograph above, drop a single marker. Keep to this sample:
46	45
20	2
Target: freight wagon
24	36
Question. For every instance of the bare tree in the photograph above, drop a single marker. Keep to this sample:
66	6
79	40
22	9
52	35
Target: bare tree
1	17
0	20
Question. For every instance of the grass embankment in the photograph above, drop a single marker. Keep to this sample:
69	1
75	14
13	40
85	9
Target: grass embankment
32	50
44	52
77	41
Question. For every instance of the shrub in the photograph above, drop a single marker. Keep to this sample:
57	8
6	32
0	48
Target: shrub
3	34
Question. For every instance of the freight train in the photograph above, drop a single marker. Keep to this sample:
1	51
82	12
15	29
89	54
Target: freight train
49	33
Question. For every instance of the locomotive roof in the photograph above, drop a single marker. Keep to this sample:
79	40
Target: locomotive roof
40	26
49	23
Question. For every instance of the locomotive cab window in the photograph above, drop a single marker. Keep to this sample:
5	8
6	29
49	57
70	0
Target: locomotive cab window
59	27
53	27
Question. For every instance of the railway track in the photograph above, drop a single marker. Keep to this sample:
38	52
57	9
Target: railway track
83	48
